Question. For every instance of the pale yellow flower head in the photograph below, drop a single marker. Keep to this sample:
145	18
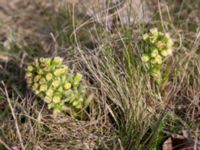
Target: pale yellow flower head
145	58
58	60
56	83
145	36
158	59
60	89
30	68
60	71
37	78
154	30
43	87
49	92
49	76
154	53
47	99
153	61
160	44
67	86
56	99
57	111
153	38
28	75
37	92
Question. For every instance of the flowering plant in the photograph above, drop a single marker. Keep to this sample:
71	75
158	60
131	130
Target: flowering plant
160	47
52	82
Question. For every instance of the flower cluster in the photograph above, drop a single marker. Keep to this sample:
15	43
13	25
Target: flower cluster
160	46
51	81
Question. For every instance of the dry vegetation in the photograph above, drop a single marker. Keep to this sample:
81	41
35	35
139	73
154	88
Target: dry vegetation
129	110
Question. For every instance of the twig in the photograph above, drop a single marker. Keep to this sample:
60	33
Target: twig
5	145
14	117
54	50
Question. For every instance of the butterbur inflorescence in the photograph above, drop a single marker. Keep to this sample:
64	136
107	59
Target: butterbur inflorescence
159	47
51	81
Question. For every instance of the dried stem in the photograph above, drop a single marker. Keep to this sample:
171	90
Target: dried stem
14	117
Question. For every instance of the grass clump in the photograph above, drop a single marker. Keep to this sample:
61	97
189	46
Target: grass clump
51	81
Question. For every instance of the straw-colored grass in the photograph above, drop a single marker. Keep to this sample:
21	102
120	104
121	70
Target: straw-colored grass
129	109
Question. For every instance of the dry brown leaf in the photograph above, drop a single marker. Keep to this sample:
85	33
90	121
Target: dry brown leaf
167	145
180	142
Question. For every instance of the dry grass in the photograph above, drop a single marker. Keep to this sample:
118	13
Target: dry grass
129	110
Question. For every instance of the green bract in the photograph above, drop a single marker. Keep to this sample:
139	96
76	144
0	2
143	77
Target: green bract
159	47
61	90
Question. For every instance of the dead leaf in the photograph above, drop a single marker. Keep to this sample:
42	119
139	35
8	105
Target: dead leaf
167	145
183	141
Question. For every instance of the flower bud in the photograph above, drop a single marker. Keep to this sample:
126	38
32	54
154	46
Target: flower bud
56	99
145	36
154	30
145	58
49	76
49	92
56	83
154	53
30	68
43	88
67	86
47	99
